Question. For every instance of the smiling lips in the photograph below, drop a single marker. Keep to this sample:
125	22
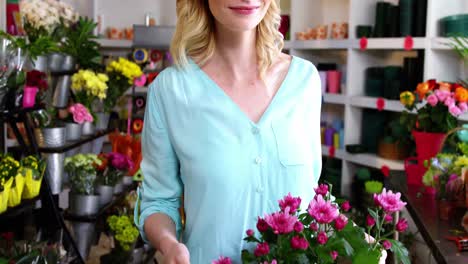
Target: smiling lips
244	10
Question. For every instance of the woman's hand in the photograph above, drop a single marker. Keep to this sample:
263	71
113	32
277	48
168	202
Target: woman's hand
176	253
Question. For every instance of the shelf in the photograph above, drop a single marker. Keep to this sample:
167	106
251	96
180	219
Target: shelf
138	90
7	114
10	143
334	98
374	161
371	102
23	207
91	218
115	43
394	43
339	153
324	44
74	144
440	44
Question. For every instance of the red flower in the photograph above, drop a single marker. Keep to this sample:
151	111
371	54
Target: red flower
385	170
262	249
322	238
341	222
36	78
262	225
402	225
250	232
298	242
334	255
292	202
370	222
387	244
346	206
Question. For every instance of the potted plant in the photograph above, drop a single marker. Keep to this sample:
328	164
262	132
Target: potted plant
118	166
33	170
105	188
87	87
82	171
122	75
79	114
35	87
125	234
396	142
9	168
436	107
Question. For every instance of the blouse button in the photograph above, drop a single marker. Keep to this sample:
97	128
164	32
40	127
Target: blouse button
255	131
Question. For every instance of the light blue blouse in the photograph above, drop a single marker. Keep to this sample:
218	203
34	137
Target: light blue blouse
197	141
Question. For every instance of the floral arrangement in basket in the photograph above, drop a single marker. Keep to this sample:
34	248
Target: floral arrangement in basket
80	114
82	171
88	86
323	233
437	106
122	74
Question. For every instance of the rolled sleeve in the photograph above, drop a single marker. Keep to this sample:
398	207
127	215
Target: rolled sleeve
162	188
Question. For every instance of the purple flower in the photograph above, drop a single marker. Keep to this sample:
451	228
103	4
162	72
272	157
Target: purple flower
322	189
262	249
432	100
323	211
346	206
387	244
402	225
298	242
322	238
281	222
370	222
341	222
298	227
389	201
292	202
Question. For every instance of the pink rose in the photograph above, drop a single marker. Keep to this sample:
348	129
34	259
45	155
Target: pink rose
262	249
402	225
79	117
432	100
298	242
292	202
463	107
322	238
454	110
449	102
442	95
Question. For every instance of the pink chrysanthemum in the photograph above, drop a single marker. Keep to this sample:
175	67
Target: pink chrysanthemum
298	242
281	222
292	202
322	211
389	201
222	260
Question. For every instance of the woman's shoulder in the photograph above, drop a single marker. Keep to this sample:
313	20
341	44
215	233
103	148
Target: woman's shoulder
172	80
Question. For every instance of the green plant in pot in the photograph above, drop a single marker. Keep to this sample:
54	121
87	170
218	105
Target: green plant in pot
126	234
397	142
82	171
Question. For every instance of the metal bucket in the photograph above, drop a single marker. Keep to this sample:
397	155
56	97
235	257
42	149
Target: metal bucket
62	91
118	188
106	193
40	63
56	61
127	180
55	171
68	64
89	129
84	233
54	137
73	131
83	205
102	121
136	256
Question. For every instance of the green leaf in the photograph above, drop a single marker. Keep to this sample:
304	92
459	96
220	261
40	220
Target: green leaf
374	215
323	254
301	259
367	256
401	253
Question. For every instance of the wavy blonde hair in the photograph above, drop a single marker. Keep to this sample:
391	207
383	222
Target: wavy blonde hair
195	34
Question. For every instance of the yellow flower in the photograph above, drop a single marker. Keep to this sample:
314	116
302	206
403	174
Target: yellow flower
407	99
461	162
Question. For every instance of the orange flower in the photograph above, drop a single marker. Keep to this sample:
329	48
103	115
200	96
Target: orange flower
461	95
444	86
422	90
104	162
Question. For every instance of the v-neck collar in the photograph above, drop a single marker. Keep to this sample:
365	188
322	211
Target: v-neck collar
219	90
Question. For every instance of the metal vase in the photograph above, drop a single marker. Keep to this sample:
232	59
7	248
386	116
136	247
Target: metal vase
89	129
102	121
127	180
136	256
118	188
55	171
62	91
84	234
69	63
56	61
73	131
98	144
40	63
54	137
83	205
106	193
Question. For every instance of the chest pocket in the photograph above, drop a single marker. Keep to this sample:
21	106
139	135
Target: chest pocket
292	140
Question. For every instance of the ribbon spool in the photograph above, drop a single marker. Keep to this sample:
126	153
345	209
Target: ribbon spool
137	125
140	56
140	102
156	56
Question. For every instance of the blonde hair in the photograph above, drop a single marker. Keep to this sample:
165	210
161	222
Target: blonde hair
195	34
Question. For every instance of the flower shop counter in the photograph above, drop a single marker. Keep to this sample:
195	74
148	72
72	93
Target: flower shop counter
424	210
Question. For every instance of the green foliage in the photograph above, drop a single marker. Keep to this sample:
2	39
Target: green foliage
36	47
367	256
400	252
80	43
460	45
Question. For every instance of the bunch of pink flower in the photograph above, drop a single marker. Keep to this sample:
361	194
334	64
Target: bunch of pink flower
321	234
80	114
119	161
448	99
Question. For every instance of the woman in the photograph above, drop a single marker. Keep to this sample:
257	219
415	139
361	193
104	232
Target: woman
234	127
